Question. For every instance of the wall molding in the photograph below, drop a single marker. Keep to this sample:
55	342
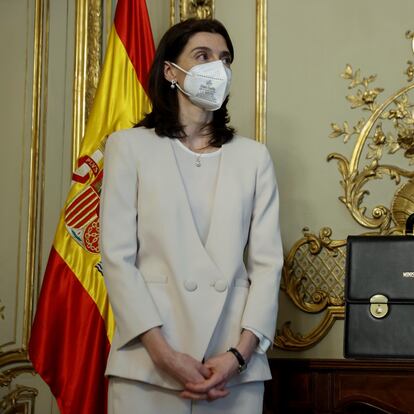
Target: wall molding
14	361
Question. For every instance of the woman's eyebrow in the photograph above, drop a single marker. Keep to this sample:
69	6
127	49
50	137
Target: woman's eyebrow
207	49
204	48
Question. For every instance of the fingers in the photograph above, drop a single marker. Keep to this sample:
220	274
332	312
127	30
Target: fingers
195	376
221	385
188	395
216	393
206	385
186	369
204	371
211	395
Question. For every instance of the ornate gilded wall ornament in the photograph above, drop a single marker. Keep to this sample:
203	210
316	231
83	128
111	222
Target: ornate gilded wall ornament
199	9
19	401
185	9
88	52
313	275
313	278
388	130
94	47
8	375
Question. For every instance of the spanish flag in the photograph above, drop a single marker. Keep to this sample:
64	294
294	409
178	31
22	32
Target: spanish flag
74	324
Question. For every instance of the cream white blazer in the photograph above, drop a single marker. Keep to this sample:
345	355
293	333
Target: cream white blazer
159	273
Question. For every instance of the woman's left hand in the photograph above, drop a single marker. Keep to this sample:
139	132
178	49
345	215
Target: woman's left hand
222	367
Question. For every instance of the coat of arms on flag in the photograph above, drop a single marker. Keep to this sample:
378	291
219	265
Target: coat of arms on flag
82	212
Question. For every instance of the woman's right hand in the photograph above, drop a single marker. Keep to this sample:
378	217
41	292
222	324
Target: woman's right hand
182	367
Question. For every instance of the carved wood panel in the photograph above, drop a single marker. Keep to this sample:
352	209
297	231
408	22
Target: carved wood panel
340	387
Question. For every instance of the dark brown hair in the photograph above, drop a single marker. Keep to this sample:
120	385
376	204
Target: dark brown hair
164	117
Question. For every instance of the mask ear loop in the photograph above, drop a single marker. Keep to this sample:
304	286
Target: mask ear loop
174	82
181	89
179	68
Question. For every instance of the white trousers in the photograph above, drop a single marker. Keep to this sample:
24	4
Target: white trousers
134	397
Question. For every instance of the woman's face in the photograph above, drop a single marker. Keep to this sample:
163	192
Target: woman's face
202	47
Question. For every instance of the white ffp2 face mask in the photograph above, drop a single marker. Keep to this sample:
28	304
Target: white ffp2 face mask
207	85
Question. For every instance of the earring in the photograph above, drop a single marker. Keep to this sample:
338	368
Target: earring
173	82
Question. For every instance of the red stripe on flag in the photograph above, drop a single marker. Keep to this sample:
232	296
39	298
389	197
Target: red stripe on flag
69	345
72	211
84	195
91	208
134	29
85	219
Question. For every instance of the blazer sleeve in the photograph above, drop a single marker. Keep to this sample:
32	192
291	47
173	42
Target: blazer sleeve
134	309
264	253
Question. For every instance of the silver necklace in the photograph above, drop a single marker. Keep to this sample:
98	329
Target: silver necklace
198	155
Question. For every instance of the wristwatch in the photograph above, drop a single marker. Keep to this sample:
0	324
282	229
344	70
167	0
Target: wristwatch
242	363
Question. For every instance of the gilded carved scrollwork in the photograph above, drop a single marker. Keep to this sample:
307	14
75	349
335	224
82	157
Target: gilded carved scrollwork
199	9
88	54
289	340
186	9
313	275
19	401
94	48
8	375
388	130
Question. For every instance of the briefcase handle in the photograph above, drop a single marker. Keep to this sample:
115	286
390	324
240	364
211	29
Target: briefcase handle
409	225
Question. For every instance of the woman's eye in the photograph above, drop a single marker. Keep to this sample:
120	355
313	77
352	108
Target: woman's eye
226	60
202	56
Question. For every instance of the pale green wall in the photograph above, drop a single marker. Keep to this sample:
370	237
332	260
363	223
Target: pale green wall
240	20
159	12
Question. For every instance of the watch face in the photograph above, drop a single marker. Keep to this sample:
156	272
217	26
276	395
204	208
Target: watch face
242	368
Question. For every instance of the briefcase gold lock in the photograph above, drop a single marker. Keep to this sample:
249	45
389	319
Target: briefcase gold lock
379	306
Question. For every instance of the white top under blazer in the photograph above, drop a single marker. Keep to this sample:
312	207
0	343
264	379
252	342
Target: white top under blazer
158	270
199	175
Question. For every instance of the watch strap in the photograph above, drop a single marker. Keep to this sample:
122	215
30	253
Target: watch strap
240	359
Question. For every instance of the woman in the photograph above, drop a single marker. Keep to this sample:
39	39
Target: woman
182	198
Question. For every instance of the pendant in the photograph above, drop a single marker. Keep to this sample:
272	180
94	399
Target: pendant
198	161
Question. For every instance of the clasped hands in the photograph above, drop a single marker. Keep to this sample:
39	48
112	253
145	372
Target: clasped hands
203	381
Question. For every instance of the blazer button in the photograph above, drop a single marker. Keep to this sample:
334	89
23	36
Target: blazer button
190	285
220	285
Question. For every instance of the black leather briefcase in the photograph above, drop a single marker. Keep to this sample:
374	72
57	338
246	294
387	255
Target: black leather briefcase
379	296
